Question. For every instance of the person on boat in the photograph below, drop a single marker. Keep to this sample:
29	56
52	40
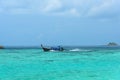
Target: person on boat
59	48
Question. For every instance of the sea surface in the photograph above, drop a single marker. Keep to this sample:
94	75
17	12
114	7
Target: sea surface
86	63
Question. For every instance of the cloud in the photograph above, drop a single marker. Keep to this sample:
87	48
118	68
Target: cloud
83	8
106	8
68	12
52	5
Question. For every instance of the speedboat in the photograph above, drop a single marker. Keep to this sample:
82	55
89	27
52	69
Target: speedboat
46	49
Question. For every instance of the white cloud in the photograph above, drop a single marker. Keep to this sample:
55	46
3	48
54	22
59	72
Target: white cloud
69	12
74	11
107	7
52	5
61	7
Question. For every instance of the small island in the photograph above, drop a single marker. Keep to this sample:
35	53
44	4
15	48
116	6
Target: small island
112	44
1	47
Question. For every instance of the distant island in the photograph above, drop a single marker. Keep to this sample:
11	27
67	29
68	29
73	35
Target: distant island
112	44
1	47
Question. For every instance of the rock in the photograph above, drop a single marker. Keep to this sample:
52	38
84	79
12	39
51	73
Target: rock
1	47
112	44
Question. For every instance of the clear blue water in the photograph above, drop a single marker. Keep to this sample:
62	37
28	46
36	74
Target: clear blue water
75	64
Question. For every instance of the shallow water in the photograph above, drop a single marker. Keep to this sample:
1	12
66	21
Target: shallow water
75	64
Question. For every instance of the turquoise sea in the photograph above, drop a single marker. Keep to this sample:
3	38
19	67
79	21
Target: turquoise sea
91	63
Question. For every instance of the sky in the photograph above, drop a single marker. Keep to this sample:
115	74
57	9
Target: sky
59	22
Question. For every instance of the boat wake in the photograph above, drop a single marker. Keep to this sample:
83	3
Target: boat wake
52	50
78	50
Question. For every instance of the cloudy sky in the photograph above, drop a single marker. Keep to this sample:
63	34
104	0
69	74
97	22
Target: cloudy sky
59	22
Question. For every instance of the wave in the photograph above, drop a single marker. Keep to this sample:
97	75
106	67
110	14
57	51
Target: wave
52	50
74	50
77	49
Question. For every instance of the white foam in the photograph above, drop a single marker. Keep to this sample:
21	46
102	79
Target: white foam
77	49
52	50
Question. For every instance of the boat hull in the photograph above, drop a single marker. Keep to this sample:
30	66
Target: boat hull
46	49
52	49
